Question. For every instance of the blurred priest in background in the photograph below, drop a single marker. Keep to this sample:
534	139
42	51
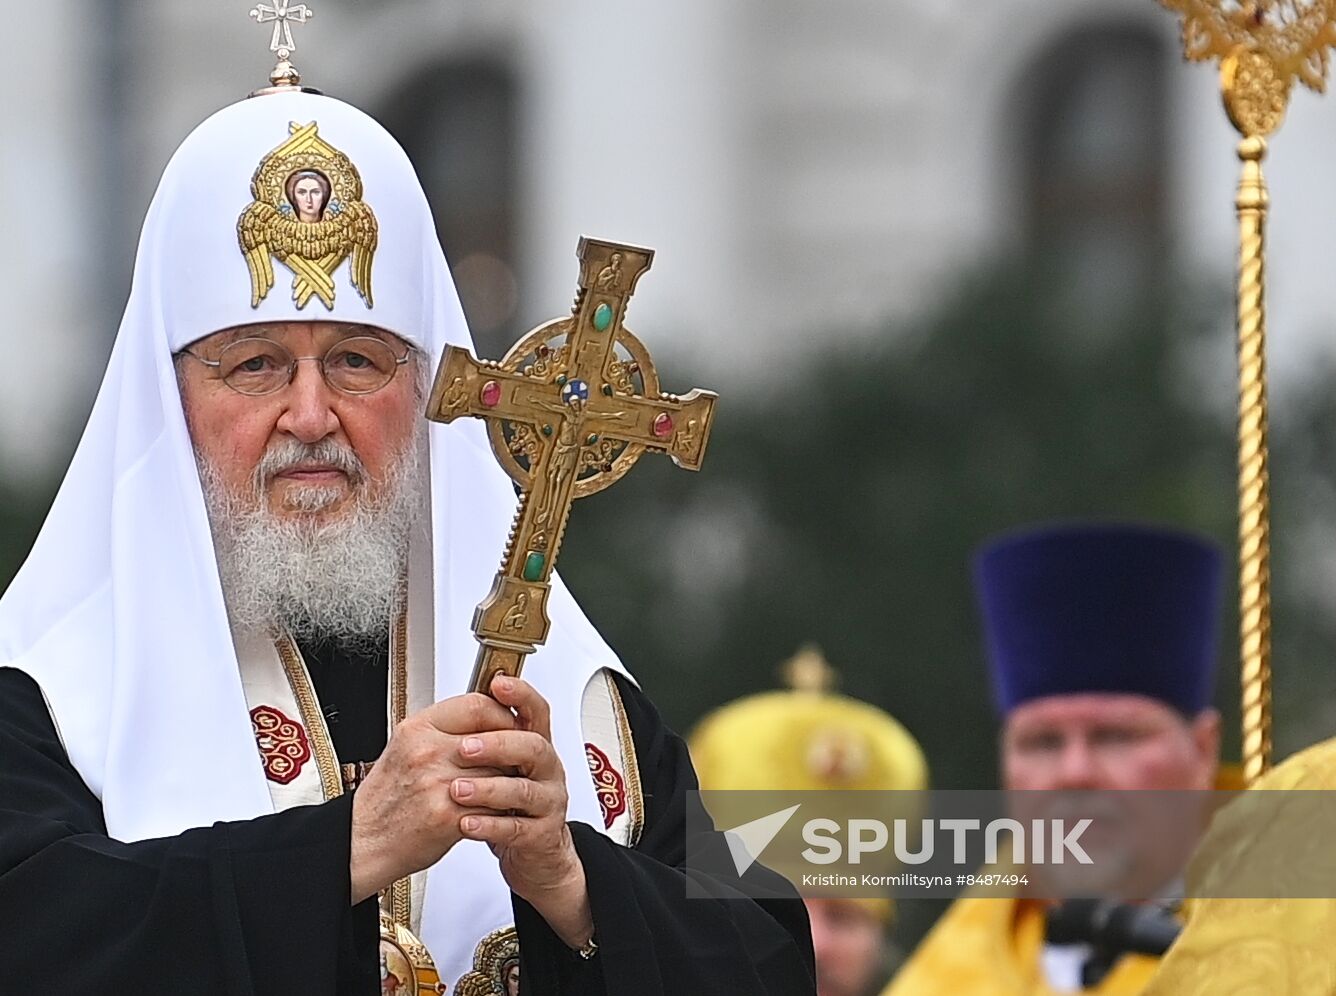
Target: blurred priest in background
1102	644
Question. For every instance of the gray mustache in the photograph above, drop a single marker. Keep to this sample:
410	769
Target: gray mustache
292	453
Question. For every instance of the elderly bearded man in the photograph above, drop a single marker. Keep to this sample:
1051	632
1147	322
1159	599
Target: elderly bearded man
1102	645
256	581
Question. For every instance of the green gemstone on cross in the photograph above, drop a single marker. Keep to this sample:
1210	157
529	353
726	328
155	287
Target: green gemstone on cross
607	389
561	380
593	438
533	566
602	317
547	430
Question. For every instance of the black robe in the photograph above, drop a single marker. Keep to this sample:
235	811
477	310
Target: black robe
262	906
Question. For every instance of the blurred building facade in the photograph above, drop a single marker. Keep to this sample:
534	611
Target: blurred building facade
804	169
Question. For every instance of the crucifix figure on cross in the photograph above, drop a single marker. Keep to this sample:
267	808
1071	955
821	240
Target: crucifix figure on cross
569	409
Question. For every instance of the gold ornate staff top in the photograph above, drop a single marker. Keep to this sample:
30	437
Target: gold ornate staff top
569	409
1263	46
283	14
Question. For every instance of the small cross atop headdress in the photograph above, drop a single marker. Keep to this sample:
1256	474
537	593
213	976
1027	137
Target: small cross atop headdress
283	14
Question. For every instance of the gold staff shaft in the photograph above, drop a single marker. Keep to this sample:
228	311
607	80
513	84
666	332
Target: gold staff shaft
1254	482
496	654
1263	47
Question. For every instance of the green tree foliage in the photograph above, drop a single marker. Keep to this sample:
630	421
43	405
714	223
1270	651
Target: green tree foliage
846	506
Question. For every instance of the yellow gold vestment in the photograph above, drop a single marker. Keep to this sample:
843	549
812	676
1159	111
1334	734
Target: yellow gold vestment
1246	946
990	946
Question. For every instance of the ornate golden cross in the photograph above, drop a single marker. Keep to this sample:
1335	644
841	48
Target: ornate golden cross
569	409
1263	46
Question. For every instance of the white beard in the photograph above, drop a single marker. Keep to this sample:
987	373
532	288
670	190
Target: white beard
337	580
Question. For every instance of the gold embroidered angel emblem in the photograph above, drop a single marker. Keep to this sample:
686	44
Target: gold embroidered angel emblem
308	214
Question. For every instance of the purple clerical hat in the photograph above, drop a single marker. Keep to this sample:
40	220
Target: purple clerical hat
1101	608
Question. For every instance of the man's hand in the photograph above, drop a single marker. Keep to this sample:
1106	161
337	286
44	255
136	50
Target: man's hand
524	819
404	814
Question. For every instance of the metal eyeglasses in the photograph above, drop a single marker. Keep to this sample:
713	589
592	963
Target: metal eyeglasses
257	366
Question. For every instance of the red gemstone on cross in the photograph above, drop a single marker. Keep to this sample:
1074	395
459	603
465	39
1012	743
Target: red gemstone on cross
491	394
663	425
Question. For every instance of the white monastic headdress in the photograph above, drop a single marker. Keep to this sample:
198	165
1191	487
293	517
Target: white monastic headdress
118	612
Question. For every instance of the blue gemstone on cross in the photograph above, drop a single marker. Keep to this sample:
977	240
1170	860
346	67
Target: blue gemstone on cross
575	391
